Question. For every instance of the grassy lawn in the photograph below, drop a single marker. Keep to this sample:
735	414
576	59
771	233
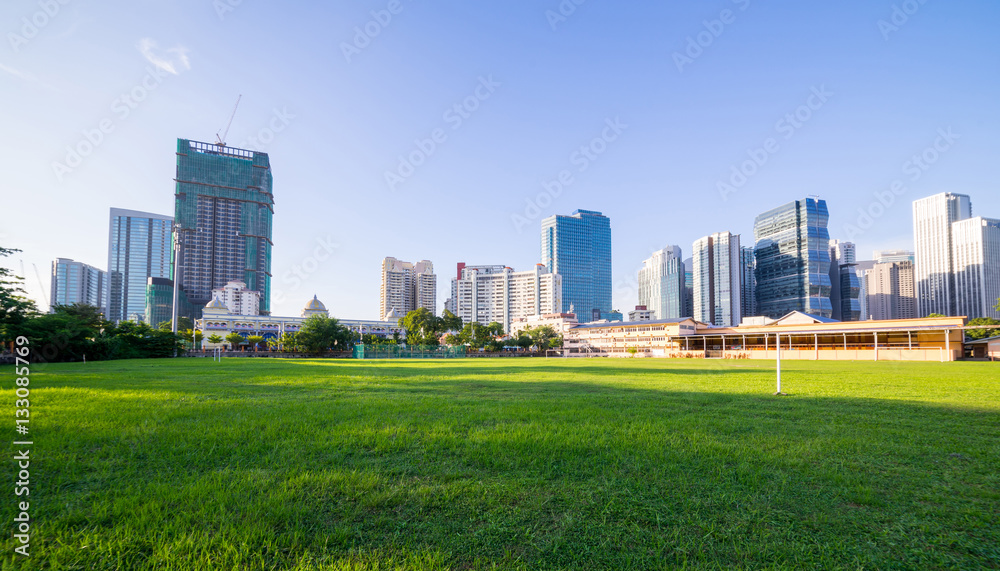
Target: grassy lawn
509	464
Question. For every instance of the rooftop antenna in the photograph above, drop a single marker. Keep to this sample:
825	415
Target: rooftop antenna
220	140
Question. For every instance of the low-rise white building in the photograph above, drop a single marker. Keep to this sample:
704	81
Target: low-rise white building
217	319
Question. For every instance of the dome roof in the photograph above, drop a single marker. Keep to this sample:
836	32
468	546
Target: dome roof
315	305
391	315
216	303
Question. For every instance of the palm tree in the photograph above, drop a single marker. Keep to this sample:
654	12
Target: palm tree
234	339
255	341
215	339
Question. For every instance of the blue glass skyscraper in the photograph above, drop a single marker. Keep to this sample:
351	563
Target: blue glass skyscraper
139	248
578	247
793	259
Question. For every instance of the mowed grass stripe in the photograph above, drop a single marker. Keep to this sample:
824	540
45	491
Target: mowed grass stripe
513	463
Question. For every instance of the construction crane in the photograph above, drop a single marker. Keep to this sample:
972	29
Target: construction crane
221	140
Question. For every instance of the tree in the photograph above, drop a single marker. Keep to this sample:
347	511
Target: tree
985	332
191	335
215	339
183	324
544	337
523	340
15	308
234	339
450	321
272	343
66	334
255	341
320	333
934	315
422	327
288	341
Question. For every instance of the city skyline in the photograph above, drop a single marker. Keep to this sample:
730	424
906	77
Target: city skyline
869	107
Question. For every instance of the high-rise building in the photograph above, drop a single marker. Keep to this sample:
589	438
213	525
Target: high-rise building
688	288
748	283
934	263
224	207
793	259
976	255
887	256
139	248
76	282
889	291
661	284
406	287
845	286
485	294
578	248
717	279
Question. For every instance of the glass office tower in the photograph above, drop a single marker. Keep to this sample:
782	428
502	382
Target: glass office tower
793	259
748	283
578	247
76	282
224	206
139	248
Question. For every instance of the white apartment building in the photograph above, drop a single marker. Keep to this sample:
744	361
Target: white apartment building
485	294
661	284
934	269
238	299
407	286
717	279
976	257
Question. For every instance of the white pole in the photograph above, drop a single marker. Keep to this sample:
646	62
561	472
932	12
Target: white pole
777	338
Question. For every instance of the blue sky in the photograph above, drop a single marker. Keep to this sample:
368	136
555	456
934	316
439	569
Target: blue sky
829	99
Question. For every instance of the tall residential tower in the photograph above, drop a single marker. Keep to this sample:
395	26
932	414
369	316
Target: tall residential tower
718	279
661	284
934	268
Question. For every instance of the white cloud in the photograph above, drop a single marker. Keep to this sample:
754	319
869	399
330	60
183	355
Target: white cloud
175	60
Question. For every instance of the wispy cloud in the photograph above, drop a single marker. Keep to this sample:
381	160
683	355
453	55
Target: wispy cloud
173	60
14	72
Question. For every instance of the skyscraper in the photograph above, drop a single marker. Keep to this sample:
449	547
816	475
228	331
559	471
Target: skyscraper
76	282
406	287
661	284
224	206
578	247
889	289
139	248
748	283
793	259
845	286
717	279
886	256
688	288
934	270
976	254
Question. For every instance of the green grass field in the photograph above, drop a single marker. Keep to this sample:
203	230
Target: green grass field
509	464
